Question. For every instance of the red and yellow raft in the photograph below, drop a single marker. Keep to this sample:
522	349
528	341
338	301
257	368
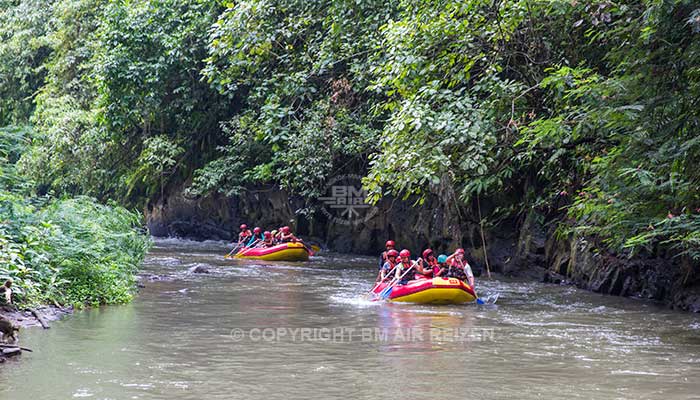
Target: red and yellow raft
281	252
430	291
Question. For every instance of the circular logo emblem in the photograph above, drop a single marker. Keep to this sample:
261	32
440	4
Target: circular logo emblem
344	201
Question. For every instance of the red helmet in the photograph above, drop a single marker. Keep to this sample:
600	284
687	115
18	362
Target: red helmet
427	252
257	230
459	251
405	254
392	253
390	243
267	234
244	227
285	229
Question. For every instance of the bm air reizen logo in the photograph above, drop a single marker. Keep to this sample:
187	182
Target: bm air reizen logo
345	201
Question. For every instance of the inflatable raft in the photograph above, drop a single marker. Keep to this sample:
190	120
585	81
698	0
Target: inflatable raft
280	252
430	291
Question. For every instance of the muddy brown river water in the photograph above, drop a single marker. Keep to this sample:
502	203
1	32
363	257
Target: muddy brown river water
305	330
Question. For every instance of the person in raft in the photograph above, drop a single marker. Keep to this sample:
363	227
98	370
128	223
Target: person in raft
405	271
443	267
460	268
256	237
245	235
287	235
278	236
428	265
390	245
268	241
388	267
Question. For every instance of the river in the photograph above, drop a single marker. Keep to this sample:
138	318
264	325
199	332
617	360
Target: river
305	330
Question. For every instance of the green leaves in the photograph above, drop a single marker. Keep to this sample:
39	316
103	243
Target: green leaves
586	111
71	251
158	160
301	69
436	133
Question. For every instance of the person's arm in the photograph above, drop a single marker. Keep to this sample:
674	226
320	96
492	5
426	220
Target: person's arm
420	267
399	270
469	273
425	268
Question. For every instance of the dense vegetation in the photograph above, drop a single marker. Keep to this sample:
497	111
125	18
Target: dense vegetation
586	111
63	251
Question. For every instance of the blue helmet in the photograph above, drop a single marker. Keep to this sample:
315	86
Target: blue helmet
442	258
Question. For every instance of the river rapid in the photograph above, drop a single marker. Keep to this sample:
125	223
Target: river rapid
247	330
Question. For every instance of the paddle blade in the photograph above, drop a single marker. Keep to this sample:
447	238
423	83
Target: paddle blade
489	300
385	294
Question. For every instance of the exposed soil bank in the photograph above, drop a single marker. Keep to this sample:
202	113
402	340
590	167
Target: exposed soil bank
28	318
520	247
33	317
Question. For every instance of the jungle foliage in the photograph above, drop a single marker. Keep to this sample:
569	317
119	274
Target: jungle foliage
63	251
586	111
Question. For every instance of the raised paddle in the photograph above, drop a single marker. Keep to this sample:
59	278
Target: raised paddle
384	294
381	280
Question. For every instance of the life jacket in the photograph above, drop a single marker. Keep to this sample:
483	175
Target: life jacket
244	235
430	268
388	266
253	239
409	276
288	238
456	270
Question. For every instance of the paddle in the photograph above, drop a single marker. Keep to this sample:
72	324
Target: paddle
249	248
234	249
489	300
308	248
384	294
381	280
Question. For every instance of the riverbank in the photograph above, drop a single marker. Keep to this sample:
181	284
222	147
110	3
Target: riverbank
40	316
36	317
